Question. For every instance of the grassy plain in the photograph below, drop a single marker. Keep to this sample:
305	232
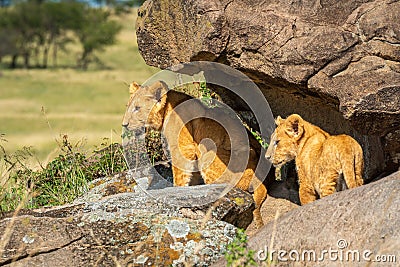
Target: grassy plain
39	106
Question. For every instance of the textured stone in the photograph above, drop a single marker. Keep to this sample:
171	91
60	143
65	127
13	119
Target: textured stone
334	63
118	223
359	219
235	207
271	209
131	239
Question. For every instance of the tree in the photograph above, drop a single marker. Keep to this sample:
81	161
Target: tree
7	35
28	22
20	31
95	33
57	20
33	28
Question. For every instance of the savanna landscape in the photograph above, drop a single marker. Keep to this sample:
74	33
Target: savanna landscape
39	106
64	109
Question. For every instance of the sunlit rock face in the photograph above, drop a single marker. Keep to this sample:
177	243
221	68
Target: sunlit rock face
334	63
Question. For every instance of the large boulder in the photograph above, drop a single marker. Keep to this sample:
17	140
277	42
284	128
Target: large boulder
235	206
334	62
118	223
270	210
355	227
108	238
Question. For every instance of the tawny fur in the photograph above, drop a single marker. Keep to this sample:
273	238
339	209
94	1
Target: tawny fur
321	159
184	140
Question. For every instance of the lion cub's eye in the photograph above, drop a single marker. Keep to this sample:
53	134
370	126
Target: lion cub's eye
135	109
276	142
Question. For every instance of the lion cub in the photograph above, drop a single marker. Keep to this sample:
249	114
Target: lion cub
198	144
321	159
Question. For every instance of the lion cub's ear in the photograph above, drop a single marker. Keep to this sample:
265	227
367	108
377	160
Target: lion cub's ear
133	87
294	126
278	120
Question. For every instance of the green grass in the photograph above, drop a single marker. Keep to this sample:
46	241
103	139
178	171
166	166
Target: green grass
37	106
60	181
237	253
63	115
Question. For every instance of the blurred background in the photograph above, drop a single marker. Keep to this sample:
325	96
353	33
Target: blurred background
64	70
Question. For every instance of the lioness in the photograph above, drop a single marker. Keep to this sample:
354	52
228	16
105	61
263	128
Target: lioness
321	159
192	152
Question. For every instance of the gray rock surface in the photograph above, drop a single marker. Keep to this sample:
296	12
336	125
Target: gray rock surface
117	223
336	63
234	207
361	220
272	209
111	238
